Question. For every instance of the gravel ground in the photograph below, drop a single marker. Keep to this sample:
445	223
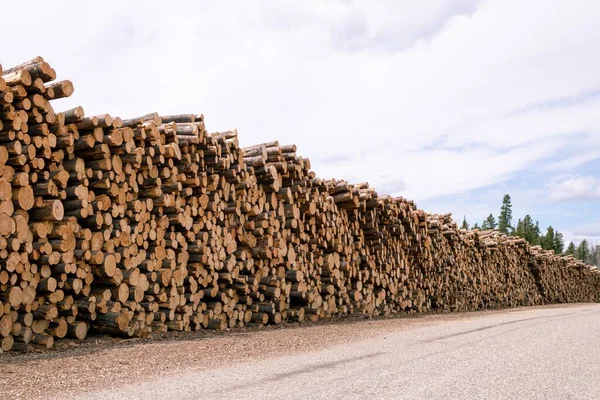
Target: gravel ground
101	363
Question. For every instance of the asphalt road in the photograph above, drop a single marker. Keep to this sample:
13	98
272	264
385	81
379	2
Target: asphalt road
551	353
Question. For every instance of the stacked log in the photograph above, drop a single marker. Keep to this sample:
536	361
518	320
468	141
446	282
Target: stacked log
151	224
38	282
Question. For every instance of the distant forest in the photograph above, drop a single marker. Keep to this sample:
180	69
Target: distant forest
531	231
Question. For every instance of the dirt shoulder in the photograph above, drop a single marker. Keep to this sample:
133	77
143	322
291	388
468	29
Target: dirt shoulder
99	362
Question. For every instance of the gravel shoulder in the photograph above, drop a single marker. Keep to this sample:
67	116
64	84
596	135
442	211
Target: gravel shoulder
98	363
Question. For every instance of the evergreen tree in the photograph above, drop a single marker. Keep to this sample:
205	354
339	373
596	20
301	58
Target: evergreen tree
528	230
505	218
559	243
476	226
537	233
595	256
547	241
570	249
518	230
465	224
489	222
583	252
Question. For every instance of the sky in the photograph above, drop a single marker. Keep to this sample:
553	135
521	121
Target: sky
450	103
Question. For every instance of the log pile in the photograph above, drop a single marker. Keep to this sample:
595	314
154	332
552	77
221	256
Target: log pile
151	224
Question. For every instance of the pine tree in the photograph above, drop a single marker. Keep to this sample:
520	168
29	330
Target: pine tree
476	226
465	224
537	233
547	241
505	218
559	243
528	230
596	256
489	222
570	249
519	231
583	252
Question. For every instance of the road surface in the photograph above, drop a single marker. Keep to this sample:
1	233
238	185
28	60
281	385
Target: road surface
531	353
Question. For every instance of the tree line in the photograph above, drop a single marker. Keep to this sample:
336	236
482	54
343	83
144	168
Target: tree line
529	230
585	251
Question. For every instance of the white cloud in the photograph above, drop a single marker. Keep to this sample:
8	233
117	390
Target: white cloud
574	187
573	162
421	99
